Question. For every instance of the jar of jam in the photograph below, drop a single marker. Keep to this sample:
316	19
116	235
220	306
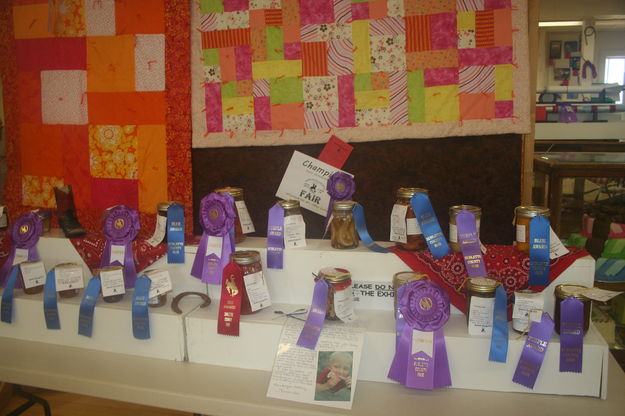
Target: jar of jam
414	239
454	242
118	270
242	223
36	276
564	291
71	270
343	234
249	262
480	293
405	277
338	280
4	217
525	303
523	215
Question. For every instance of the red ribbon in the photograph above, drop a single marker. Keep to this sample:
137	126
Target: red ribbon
230	304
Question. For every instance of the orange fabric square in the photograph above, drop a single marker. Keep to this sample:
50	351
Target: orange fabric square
291	34
425	7
38	191
273	17
418	33
127	107
258	40
29	96
287	116
379	80
227	60
443	58
113	151
257	18
484	29
290	12
244	88
378	9
152	161
503	27
314	59
76	164
31	21
111	63
139	16
477	106
41	149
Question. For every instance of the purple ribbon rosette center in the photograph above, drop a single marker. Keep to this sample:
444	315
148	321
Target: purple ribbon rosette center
25	233
121	226
423	311
340	187
217	218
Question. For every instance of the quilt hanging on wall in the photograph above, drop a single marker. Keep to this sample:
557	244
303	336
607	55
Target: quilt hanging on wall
87	105
271	72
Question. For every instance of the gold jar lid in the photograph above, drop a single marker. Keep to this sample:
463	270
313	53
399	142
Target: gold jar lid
404	277
111	268
67	266
246	256
482	284
530	211
234	192
162	206
456	209
335	274
409	192
289	203
563	291
343	205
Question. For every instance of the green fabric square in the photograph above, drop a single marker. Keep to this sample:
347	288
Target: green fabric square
286	90
575	240
229	89
614	248
362	82
212	6
275	43
416	97
211	57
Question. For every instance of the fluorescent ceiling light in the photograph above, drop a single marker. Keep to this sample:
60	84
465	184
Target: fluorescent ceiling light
561	23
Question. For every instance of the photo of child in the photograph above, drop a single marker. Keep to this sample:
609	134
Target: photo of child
334	376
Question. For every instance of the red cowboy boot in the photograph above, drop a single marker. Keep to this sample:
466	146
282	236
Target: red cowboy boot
67	212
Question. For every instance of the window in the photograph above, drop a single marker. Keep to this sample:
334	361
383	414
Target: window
615	72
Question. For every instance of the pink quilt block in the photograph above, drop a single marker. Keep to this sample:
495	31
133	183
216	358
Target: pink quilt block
504	109
63	97
108	192
50	53
440	76
443	31
314	12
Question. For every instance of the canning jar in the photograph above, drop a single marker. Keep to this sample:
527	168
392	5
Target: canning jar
243	222
291	207
406	232
525	302
523	215
71	271
249	262
404	277
339	288
118	273
480	293
36	276
454	242
564	291
343	234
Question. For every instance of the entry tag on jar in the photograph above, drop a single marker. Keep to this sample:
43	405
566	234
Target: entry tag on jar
412	226
161	282
112	282
481	316
294	231
344	305
67	278
118	253
600	295
257	291
398	223
244	217
556	248
21	255
33	273
528	304
159	232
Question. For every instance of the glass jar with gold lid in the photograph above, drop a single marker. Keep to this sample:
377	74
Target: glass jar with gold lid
562	292
249	262
480	293
290	206
73	269
242	223
338	280
454	242
116	270
401	278
406	231
343	234
522	217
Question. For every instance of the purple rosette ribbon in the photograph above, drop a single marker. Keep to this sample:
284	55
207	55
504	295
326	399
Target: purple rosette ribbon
340	187
534	352
121	226
422	312
571	335
25	233
217	218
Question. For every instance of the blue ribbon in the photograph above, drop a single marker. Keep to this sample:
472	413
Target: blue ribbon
6	315
50	308
361	227
429	225
140	316
539	251
499	337
87	306
175	234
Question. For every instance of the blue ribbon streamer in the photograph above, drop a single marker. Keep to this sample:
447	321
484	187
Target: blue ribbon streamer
429	225
539	251
140	314
6	315
50	307
499	337
87	306
175	234
361	227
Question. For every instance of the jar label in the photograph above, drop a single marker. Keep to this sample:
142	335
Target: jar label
344	305
21	255
244	217
398	223
294	231
520	233
528	308
257	291
481	315
112	282
68	278
412	226
34	274
161	282
159	232
556	248
453	233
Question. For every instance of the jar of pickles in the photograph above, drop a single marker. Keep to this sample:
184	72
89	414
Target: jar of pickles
454	242
522	217
343	234
405	277
249	262
339	291
243	222
480	293
405	230
564	291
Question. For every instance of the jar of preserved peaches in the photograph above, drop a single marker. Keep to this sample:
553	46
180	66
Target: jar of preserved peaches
243	222
454	242
523	216
339	287
343	234
249	262
405	230
564	291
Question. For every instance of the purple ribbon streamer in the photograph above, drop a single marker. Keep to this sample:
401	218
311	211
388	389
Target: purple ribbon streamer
534	352
571	335
314	323
275	238
340	187
470	244
25	234
121	226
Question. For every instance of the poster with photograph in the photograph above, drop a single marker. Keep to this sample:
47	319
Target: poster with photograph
561	74
570	47
555	49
